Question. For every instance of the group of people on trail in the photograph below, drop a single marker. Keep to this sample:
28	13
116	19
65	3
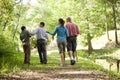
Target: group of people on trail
66	37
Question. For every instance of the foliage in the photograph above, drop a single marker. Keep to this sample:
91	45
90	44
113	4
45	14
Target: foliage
89	15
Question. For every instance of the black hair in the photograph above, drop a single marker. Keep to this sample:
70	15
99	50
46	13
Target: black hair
61	22
23	28
42	23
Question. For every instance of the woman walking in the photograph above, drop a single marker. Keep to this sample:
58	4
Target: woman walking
62	34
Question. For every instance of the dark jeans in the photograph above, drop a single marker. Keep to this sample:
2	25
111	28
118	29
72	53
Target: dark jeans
41	45
71	43
26	49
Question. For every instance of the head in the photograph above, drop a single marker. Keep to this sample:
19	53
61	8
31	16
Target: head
42	24
68	19
61	22
23	28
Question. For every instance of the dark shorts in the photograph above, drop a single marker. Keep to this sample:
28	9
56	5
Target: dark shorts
71	43
61	46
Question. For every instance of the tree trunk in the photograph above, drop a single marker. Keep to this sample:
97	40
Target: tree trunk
106	23
90	48
114	21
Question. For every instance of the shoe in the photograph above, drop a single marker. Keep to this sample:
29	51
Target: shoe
45	63
72	62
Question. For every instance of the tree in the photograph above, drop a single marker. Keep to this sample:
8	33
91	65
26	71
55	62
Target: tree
112	6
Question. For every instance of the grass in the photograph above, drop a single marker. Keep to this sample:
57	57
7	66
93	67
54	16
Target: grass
14	63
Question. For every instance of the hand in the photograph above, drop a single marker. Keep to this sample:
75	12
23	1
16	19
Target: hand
23	43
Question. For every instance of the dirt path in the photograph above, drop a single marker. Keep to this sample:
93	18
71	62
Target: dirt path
61	74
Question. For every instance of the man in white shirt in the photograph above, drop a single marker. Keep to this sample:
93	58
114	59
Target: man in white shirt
41	36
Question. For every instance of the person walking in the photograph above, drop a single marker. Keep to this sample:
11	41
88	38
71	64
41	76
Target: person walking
71	40
62	34
25	39
41	42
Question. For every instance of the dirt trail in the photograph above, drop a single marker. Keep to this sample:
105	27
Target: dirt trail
61	74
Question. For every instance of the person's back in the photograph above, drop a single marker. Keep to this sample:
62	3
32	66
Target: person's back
41	33
25	36
72	39
61	33
41	36
72	28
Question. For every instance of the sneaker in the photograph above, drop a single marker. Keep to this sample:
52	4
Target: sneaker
72	62
45	63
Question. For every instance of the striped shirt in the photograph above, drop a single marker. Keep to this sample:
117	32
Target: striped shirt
72	29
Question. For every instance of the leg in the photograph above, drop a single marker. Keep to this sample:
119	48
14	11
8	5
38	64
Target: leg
74	44
69	49
60	47
64	56
28	54
25	54
64	47
44	52
74	55
62	59
39	50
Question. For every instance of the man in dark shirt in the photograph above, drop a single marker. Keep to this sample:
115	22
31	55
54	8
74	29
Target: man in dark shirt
25	38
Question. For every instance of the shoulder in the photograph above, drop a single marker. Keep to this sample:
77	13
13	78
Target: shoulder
65	28
36	29
69	24
57	27
26	31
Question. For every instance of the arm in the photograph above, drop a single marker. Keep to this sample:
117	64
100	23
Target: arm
34	32
67	33
28	34
46	36
20	37
55	31
78	32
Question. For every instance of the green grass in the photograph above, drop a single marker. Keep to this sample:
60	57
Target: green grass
14	63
